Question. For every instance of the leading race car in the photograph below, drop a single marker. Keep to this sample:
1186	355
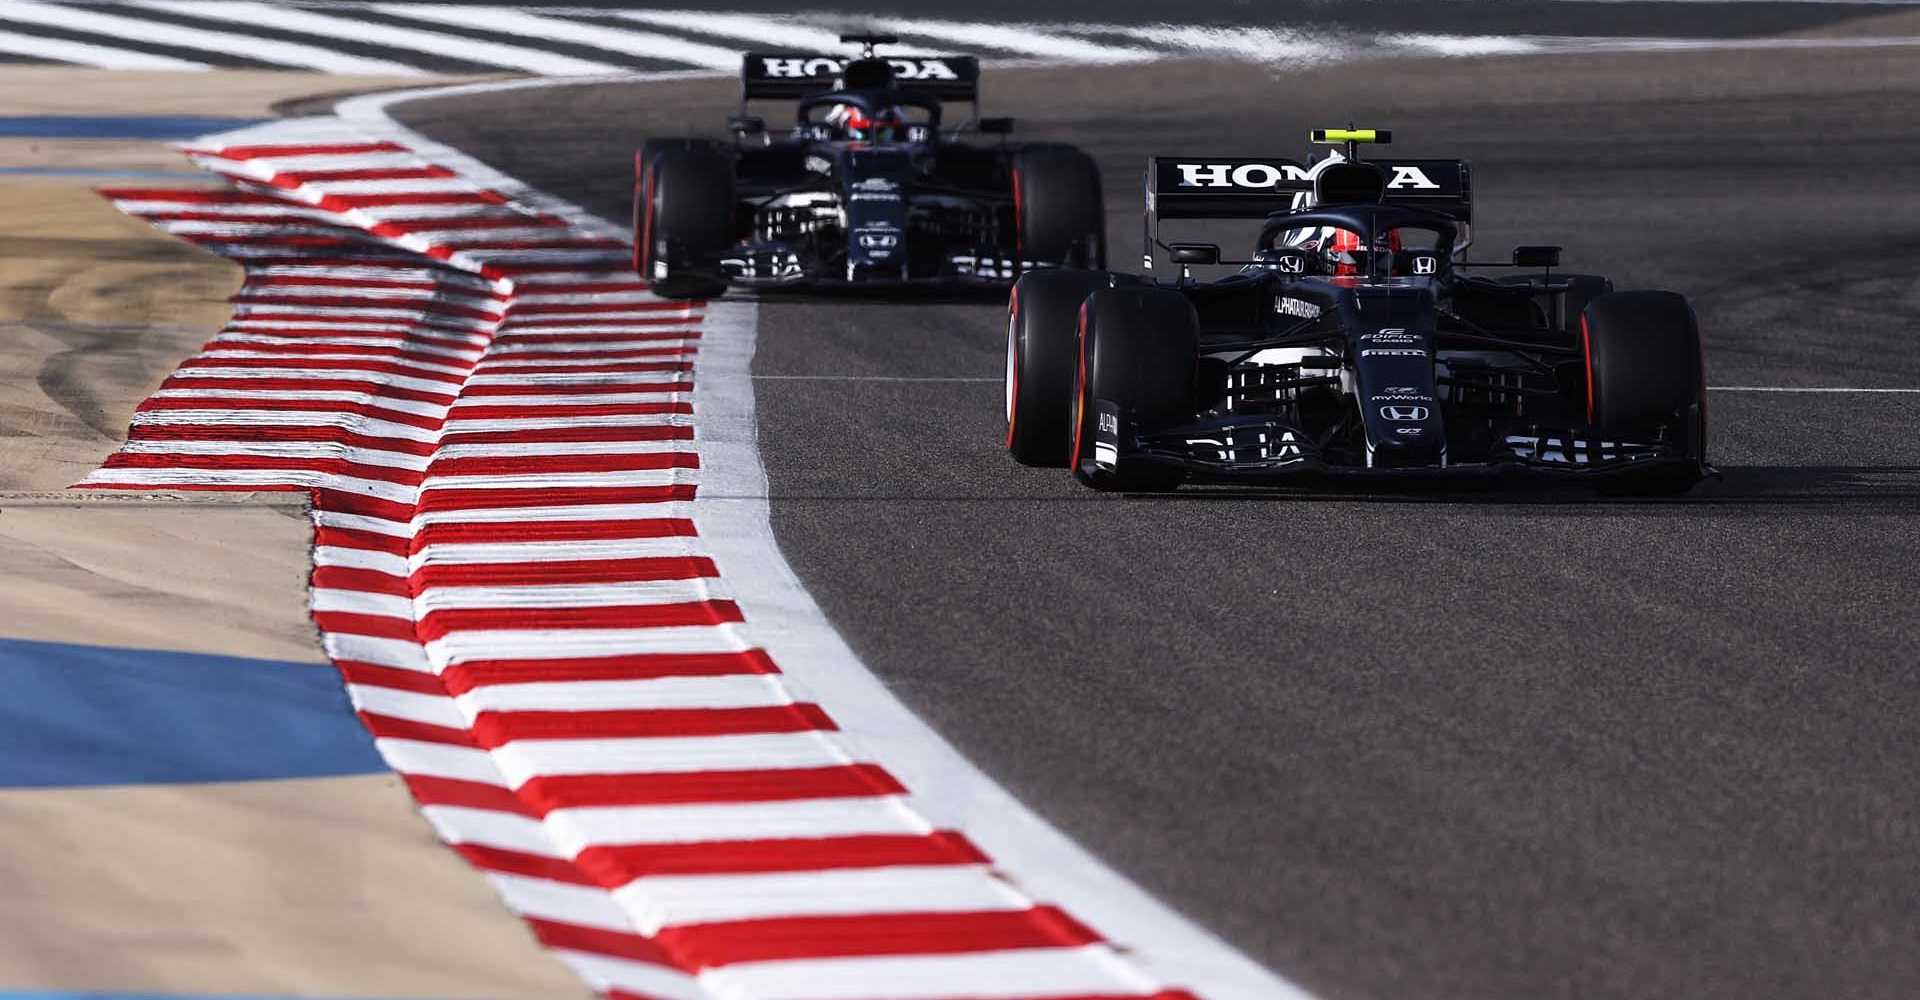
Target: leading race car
1354	342
869	187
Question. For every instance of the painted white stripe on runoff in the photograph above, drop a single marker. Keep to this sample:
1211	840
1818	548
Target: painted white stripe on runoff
331	356
681	823
360	602
441	760
284	418
472	553
645	44
457	424
307	396
573	595
91	54
279	449
743	691
432	709
991	975
646	979
1239	42
1023	39
576	378
588	906
188	374
566	480
670	755
735	526
520	644
762	30
401	654
641	355
581	512
366	559
271	50
266	478
244	337
269	15
490	828
280	210
670	900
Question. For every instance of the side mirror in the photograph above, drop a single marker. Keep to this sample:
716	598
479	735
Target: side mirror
746	125
1194	253
996	126
1536	256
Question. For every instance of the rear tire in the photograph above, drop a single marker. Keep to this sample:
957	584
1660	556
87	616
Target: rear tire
1043	360
1138	349
1645	377
1058	211
683	217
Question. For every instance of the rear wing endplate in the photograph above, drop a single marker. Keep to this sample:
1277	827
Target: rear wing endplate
790	76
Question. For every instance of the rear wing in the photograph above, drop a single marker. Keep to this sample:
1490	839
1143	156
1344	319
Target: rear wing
1223	187
1229	187
790	76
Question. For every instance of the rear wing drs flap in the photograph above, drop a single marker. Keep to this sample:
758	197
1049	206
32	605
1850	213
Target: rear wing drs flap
789	76
1229	187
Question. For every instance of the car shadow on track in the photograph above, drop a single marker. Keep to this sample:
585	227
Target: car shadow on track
1746	485
875	295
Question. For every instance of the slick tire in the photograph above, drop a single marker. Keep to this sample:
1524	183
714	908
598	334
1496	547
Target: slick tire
1043	360
1138	350
1058	211
1645	376
683	217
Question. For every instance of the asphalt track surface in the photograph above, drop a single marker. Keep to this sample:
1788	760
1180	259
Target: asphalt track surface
1489	745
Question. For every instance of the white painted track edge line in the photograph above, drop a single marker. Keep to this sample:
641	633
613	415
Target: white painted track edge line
738	532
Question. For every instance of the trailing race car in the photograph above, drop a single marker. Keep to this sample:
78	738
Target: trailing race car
1353	343
870	187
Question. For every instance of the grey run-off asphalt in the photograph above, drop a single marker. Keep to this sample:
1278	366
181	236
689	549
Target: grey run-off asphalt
1436	746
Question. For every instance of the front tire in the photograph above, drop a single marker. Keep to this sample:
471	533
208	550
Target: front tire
1043	360
1058	210
683	218
1138	350
1646	377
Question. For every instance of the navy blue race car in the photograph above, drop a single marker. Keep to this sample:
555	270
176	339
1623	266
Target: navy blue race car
869	186
1355	341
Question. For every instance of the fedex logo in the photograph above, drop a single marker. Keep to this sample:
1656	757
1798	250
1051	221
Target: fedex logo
803	68
1246	175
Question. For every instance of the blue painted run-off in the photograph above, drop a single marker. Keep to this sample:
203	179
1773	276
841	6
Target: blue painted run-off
148	175
92	715
155	127
4	995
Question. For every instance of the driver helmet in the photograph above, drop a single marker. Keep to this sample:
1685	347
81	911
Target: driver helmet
1341	249
886	124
